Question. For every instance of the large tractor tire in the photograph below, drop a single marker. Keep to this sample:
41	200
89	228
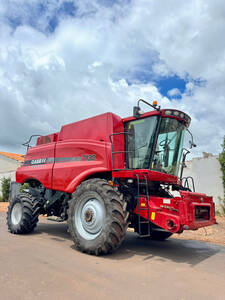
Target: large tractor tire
22	215
97	217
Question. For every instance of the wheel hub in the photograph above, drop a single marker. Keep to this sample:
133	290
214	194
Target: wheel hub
89	218
16	214
89	215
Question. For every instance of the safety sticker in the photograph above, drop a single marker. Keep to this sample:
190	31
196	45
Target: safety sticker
153	215
166	201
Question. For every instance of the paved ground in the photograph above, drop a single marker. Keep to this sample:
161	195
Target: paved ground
44	265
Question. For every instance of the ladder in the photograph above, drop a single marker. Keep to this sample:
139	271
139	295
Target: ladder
142	221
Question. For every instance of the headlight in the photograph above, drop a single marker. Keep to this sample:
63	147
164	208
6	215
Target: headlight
168	112
177	113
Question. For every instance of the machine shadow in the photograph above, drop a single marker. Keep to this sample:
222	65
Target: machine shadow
177	250
56	231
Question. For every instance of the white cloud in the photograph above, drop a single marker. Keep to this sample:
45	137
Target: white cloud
174	92
88	65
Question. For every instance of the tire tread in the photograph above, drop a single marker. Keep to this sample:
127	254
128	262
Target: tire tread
115	231
30	214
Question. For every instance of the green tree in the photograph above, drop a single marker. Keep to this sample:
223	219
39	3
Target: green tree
5	185
222	164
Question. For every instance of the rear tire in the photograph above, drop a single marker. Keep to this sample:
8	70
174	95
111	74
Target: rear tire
22	215
97	218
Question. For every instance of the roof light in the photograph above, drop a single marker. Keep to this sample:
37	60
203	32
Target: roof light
168	112
179	114
154	103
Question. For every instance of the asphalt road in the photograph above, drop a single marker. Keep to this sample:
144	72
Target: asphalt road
44	265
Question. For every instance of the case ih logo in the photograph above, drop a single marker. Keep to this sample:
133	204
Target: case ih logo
38	161
48	160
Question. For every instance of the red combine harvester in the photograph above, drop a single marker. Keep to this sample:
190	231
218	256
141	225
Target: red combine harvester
106	173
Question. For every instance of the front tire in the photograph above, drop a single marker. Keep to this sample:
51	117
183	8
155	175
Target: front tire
22	215
96	218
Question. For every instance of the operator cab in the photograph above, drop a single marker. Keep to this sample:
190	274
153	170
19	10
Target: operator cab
154	140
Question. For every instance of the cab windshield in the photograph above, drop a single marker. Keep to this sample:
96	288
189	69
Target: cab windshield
169	146
141	140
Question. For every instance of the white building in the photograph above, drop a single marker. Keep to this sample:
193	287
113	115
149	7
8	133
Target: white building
207	175
9	162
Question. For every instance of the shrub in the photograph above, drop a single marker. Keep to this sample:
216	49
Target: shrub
24	186
5	185
222	164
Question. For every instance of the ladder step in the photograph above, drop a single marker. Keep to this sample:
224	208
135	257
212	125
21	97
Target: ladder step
146	207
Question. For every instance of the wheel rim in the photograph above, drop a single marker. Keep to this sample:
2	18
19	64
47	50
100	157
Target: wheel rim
16	213
89	218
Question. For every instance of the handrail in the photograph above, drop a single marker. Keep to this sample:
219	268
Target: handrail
27	144
186	183
117	152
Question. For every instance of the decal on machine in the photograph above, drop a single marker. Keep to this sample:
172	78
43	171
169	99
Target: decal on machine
166	201
39	161
153	216
48	160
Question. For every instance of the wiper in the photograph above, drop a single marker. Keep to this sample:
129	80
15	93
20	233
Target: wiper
141	146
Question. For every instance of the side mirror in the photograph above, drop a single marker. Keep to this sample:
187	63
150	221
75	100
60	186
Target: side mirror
136	112
192	144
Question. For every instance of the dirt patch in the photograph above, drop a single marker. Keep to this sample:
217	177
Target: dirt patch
212	234
4	206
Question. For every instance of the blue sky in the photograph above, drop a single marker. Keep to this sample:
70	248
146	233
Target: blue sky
61	61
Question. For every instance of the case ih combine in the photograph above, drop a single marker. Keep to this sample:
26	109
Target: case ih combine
106	173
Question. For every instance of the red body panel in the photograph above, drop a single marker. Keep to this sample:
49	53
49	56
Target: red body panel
41	172
62	160
151	175
47	139
68	174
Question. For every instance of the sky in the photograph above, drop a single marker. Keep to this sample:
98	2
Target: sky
63	61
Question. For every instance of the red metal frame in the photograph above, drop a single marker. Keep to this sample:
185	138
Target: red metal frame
151	176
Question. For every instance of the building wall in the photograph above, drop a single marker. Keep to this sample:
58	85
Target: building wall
207	175
8	168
